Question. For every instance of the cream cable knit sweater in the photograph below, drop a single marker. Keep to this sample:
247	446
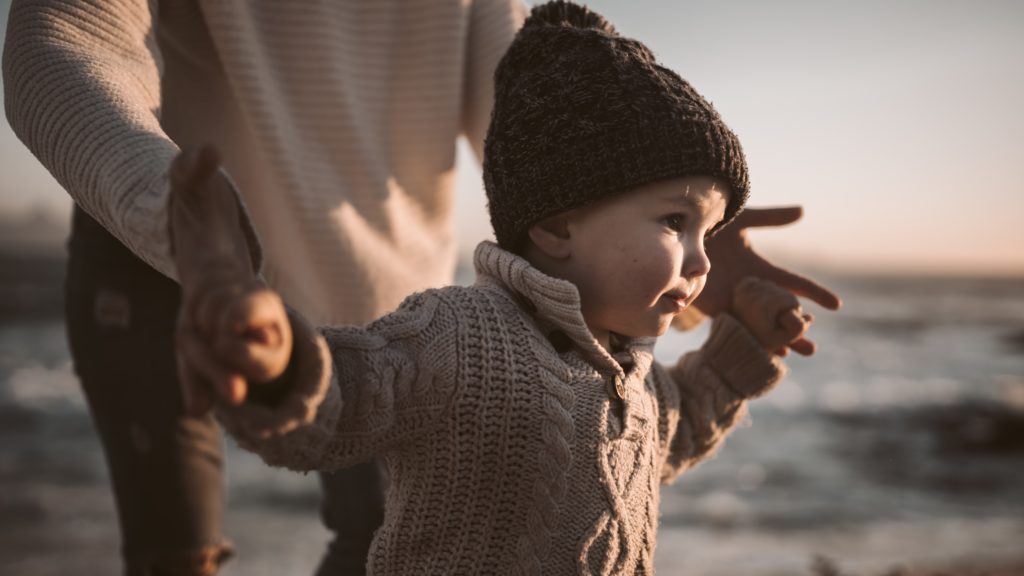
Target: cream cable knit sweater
499	417
338	121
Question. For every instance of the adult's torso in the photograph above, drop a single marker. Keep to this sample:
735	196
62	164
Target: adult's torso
338	122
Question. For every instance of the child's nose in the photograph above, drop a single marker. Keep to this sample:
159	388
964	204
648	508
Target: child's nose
696	264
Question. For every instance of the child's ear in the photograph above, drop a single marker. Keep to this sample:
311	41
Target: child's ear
551	236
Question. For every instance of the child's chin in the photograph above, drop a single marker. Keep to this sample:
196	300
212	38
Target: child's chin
655	329
661	329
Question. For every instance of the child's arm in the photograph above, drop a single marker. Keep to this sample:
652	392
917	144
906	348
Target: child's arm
282	389
352	392
703	397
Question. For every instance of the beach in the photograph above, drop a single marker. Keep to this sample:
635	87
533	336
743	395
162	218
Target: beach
898	449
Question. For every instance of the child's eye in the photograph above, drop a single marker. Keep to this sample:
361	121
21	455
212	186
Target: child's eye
675	222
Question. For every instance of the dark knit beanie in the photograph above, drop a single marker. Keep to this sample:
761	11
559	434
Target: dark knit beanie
581	113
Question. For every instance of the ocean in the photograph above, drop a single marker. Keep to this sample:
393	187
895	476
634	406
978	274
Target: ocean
899	445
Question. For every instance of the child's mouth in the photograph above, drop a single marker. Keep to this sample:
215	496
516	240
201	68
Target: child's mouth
677	301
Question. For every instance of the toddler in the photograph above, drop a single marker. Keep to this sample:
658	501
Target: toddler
523	422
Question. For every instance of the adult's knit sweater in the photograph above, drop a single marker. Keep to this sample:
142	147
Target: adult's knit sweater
337	121
515	443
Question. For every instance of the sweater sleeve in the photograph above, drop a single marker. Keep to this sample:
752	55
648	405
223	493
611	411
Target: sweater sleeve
704	396
357	391
82	91
492	26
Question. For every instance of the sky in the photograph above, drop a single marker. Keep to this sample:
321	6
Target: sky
897	125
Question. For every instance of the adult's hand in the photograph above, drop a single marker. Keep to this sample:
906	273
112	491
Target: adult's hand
232	330
733	258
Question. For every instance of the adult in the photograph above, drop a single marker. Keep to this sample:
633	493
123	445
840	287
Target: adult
337	125
337	122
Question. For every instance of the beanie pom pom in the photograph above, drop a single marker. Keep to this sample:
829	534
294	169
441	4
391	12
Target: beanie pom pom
561	13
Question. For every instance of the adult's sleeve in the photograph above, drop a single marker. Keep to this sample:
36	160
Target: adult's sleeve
357	391
492	26
704	396
82	91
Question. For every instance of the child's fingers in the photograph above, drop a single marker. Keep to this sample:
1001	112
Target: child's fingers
791	321
795	325
258	363
773	314
803	346
254	314
254	335
755	292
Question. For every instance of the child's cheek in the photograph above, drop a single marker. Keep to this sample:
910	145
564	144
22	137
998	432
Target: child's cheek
647	280
699	287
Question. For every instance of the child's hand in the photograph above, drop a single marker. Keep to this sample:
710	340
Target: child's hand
231	335
232	330
773	315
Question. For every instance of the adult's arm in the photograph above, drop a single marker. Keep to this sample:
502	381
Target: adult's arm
492	26
82	91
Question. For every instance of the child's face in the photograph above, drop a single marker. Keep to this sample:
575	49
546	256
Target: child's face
638	258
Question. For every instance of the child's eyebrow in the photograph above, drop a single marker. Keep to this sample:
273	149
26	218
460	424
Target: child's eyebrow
686	200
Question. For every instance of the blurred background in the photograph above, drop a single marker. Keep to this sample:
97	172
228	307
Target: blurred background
897	449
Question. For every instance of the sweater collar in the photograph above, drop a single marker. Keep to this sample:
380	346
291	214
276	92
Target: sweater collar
554	303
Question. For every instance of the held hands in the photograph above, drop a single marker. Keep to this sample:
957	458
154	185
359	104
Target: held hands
773	315
733	259
232	330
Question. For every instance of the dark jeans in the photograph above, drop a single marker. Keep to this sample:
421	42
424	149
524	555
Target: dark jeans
167	468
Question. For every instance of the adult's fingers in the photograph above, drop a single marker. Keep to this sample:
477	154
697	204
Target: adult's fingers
199	204
226	384
203	299
207	303
188	174
777	216
804	286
